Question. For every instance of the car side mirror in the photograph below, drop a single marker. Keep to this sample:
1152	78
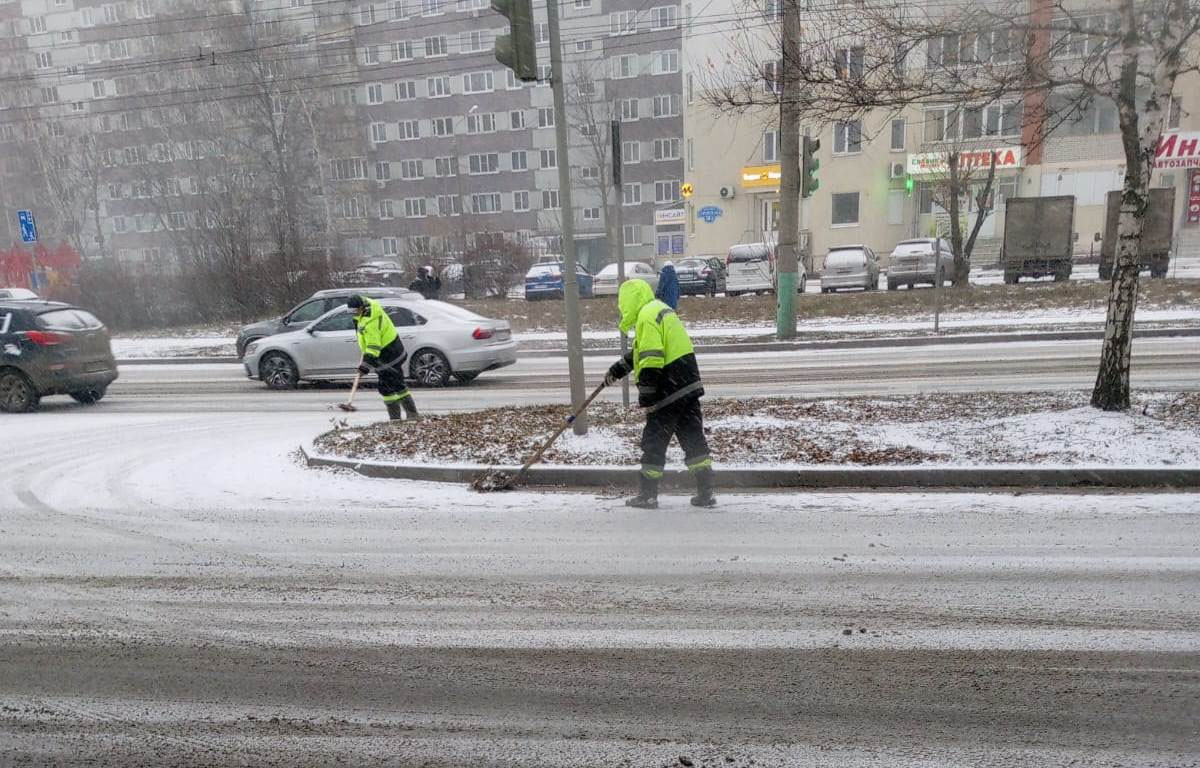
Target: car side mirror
310	330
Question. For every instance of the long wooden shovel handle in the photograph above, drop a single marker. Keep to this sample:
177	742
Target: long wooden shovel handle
570	420
354	388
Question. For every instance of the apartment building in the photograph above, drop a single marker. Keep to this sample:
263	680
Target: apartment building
877	175
426	146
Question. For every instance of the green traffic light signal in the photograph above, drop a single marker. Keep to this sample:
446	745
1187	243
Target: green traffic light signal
517	50
908	185
809	165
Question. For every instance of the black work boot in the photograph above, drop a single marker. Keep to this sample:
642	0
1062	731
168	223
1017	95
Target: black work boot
647	498
393	409
410	408
704	488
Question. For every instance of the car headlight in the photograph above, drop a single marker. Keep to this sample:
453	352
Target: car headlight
251	347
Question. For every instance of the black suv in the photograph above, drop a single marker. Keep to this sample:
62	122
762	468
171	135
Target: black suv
48	348
310	309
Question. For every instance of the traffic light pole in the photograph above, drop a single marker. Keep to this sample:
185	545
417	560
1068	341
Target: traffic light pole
614	132
567	216
790	184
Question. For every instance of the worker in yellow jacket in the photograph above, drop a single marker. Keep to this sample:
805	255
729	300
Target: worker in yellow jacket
383	354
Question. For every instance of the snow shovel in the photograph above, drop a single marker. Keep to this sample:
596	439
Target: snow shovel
349	404
499	480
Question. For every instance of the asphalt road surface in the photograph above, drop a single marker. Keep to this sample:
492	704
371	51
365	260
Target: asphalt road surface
175	590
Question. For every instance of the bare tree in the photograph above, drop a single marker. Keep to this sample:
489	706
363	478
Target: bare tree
1059	60
591	118
968	177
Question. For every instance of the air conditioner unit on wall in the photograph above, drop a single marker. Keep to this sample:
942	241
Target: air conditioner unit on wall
728	193
896	170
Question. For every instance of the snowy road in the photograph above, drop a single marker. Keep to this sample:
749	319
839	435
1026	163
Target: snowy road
176	591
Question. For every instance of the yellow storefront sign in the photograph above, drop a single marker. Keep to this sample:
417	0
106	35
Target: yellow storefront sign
760	176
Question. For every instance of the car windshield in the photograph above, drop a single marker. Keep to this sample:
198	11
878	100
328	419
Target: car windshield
68	320
845	258
544	270
611	271
741	254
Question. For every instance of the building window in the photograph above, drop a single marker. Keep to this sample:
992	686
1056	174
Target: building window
591	214
389	246
445	166
849	63
438	87
44	60
511	82
549	158
520	201
543	75
432	7
666	191
485	202
845	209
378	132
545	117
477	82
475	42
770	153
589	172
347	169
625	66
1174	110
898	137
549	199
37	25
409	130
622	23
847	137
352	208
520	161
665	17
582	5
85	17
516	119
583	46
481	123
398	10
414	207
387	209
691	89
629	109
98	89
370	54
771	76
666	62
691	156
632	234
631	194
631	152
449	205
488	162
443	126
412	169
665	106
383	170
375	93
406	90
541	33
436	46
402	51
666	149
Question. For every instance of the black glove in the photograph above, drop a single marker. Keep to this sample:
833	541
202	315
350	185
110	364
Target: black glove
616	372
363	368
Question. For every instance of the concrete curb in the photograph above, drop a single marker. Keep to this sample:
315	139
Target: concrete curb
783	346
860	478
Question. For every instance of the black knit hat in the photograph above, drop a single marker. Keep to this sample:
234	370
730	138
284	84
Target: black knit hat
356	302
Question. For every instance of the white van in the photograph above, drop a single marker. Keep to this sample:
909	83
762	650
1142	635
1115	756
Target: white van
750	268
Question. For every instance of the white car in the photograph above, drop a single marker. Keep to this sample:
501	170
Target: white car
442	341
18	294
605	283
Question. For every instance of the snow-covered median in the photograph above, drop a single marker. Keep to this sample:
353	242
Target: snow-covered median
1045	429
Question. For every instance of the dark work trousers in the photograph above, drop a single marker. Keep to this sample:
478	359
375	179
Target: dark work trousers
683	420
391	373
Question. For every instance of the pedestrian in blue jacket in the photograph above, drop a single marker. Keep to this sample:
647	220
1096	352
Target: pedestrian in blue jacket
668	286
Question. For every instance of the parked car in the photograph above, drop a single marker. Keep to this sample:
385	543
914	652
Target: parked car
545	281
443	341
606	283
49	348
700	276
750	268
923	260
19	294
310	309
850	266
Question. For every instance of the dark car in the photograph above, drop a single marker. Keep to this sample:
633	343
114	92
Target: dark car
701	276
310	309
48	348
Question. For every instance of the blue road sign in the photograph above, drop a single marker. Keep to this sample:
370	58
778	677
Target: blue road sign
709	213
28	226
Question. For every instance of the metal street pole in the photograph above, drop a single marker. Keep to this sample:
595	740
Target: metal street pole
619	246
567	216
937	285
787	277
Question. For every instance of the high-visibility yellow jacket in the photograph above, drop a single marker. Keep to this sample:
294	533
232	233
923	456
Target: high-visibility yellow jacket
376	333
662	360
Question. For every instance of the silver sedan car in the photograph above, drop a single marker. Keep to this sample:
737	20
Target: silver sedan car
443	341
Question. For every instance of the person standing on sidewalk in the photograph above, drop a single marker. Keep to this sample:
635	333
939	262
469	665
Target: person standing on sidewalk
663	364
383	353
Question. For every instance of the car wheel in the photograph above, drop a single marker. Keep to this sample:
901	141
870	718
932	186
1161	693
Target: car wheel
466	378
278	371
89	396
430	368
17	394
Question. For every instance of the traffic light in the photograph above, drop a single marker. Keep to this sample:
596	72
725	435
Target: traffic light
809	165
517	50
908	185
